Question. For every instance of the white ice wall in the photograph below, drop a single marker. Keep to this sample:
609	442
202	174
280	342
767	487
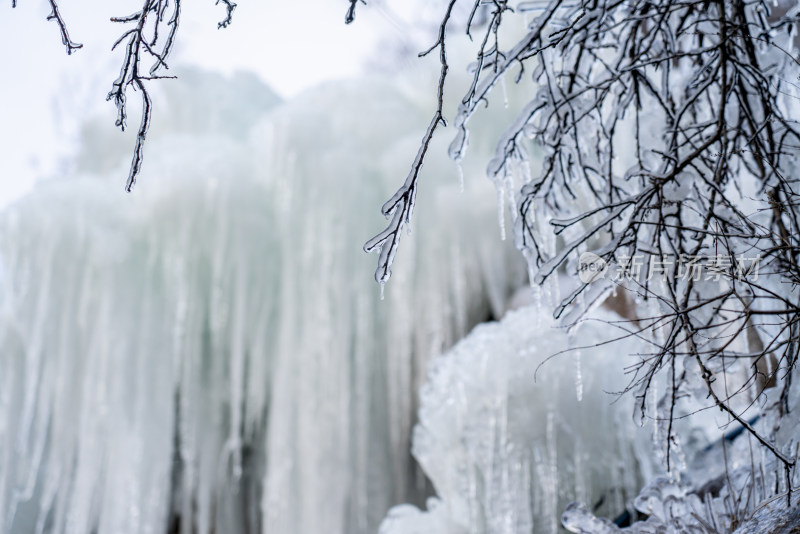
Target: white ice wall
210	354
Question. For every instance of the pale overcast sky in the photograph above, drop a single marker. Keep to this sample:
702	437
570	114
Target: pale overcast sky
45	93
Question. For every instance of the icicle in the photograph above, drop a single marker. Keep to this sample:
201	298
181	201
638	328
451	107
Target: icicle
538	304
552	487
656	435
460	175
501	212
505	92
578	376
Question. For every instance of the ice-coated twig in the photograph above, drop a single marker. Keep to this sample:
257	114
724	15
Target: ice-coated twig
351	11
136	46
155	26
649	118
388	240
401	206
229	7
145	38
55	15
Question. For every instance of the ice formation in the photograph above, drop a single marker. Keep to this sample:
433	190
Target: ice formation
731	486
506	453
210	355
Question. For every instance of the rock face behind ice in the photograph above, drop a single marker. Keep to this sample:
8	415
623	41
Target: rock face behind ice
506	453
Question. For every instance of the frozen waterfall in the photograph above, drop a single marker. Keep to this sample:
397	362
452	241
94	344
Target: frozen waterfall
211	354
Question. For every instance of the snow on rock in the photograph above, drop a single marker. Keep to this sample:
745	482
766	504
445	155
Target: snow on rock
506	443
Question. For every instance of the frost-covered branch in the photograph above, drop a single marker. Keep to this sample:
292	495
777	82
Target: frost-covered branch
155	26
55	15
668	132
351	11
401	206
229	7
152	36
138	45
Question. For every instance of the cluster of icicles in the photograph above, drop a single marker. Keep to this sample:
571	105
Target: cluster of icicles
211	354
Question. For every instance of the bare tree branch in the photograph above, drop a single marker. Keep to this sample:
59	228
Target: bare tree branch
229	7
401	205
351	11
55	15
658	121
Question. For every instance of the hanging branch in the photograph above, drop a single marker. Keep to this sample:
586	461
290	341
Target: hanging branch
55	15
401	205
130	74
152	20
351	11
155	18
229	7
652	117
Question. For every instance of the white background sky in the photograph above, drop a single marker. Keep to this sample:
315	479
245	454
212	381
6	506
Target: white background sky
44	93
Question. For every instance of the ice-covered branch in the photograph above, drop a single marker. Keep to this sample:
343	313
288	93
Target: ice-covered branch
155	27
657	122
401	206
136	46
229	7
351	11
55	15
65	39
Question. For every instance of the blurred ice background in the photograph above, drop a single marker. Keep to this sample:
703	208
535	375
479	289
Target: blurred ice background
45	92
210	353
